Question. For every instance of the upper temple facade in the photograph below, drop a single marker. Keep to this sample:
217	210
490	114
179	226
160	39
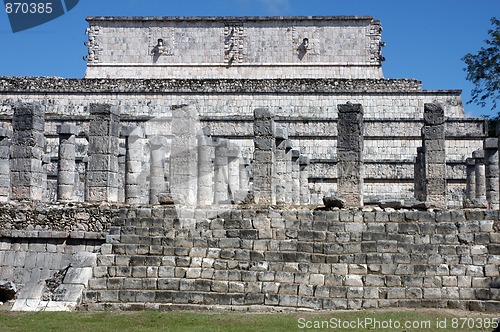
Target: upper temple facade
234	47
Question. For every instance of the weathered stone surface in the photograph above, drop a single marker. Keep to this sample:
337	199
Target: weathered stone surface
27	149
395	204
430	165
332	201
8	290
103	153
165	199
350	166
264	168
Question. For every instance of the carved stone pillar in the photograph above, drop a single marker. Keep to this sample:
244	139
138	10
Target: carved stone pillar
470	190
5	164
67	163
27	151
350	154
433	144
295	177
264	168
419	176
157	185
478	155
288	178
136	191
103	153
184	155
281	139
233	171
244	178
491	172
304	179
205	169
221	171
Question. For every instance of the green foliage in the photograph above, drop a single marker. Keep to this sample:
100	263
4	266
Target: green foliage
483	69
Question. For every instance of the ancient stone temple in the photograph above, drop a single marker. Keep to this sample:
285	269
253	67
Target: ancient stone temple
148	183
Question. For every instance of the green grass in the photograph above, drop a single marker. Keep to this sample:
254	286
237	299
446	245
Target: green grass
230	321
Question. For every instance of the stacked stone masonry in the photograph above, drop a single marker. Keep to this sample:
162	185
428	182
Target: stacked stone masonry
432	160
250	259
255	259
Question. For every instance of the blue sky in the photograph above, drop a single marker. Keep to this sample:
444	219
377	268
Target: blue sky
426	39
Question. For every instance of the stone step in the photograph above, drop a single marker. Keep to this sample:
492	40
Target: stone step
288	287
316	302
306	253
206	298
328	304
140	306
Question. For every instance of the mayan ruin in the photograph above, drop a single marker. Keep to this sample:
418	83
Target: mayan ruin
244	163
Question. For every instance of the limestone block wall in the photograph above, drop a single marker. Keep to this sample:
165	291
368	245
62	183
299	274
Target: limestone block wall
254	259
54	243
234	47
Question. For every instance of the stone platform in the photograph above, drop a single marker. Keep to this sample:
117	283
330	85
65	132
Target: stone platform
298	259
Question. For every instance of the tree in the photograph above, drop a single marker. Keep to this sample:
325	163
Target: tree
483	69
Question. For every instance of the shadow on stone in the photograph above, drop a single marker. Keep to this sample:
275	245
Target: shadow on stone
8	290
332	201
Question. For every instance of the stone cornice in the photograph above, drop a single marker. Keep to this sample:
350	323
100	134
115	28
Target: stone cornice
71	85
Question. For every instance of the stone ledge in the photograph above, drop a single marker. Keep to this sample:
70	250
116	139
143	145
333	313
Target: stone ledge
44	234
227	18
71	85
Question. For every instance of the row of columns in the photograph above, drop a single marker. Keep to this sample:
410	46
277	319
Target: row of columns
280	173
205	170
482	188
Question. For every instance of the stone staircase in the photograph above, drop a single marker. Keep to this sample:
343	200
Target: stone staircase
274	260
170	263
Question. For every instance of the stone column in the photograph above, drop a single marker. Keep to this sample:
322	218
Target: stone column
350	154
85	162
157	168
103	153
470	190
233	171
264	168
244	178
27	151
288	172
281	139
304	179
418	176
490	147
135	176
184	155
295	177
5	135
221	171
47	194
205	169
434	156
67	163
122	171
478	155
